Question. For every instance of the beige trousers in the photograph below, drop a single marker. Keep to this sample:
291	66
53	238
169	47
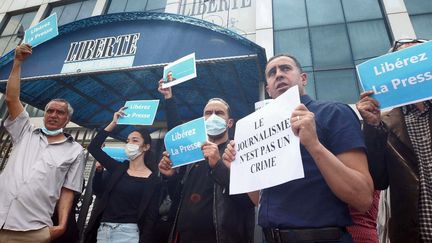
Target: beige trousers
31	236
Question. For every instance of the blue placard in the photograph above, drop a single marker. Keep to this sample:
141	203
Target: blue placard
116	153
184	142
139	112
43	31
399	78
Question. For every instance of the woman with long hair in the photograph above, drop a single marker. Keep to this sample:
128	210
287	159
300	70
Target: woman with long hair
128	209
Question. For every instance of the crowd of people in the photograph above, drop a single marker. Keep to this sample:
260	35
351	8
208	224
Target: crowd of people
345	163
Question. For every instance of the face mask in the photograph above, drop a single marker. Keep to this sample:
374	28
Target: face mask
132	151
51	132
215	125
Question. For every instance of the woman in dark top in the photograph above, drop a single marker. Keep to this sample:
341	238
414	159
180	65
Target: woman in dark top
128	208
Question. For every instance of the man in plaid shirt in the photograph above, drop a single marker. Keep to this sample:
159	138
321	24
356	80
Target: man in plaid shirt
400	155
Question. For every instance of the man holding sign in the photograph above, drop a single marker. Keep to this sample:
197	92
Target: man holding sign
400	155
45	167
206	212
315	208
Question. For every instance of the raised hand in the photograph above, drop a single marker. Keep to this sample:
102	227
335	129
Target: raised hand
368	108
22	52
166	92
165	165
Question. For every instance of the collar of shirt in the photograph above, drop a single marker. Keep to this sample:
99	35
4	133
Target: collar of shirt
407	109
69	138
305	99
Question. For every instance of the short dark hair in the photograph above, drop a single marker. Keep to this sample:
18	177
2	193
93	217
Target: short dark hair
297	63
223	102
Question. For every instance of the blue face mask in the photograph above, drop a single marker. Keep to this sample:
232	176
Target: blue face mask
215	125
51	132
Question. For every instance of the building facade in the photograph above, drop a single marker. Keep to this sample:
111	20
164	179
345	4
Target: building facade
329	37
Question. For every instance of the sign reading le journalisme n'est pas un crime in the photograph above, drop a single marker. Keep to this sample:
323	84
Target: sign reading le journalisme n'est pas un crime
139	112
399	78
183	143
267	151
43	31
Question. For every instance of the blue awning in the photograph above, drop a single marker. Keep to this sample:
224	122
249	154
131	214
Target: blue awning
228	66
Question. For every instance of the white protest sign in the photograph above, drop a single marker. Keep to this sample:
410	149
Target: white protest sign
179	71
268	152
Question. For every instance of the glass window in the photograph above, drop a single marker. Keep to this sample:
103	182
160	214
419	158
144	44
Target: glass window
156	5
324	12
289	14
420	12
376	43
135	5
330	47
86	10
338	85
334	37
73	11
310	86
12	25
418	6
356	10
294	42
8	37
117	6
422	25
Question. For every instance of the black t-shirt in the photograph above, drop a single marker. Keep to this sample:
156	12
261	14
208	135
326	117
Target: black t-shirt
124	200
195	220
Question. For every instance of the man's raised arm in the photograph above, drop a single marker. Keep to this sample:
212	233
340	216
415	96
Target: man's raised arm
14	82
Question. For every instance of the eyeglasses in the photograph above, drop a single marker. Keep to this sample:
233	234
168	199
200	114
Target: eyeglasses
402	42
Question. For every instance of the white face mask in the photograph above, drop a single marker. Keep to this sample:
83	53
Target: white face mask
215	125
51	132
132	151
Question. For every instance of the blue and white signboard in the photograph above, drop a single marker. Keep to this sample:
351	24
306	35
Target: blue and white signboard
399	78
184	142
139	112
179	71
43	31
117	153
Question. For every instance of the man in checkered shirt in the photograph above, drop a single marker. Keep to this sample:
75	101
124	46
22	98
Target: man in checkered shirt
400	156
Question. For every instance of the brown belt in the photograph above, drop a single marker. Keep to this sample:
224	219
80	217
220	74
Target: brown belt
275	235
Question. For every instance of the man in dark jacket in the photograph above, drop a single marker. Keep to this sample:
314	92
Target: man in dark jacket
400	154
205	211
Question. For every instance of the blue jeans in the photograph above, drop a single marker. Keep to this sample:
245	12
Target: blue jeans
118	233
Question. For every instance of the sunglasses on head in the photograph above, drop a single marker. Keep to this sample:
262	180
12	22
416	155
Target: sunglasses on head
402	42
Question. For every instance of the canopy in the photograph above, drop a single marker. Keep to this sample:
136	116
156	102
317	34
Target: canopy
100	62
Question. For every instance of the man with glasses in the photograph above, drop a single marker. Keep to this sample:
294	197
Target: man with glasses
400	155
